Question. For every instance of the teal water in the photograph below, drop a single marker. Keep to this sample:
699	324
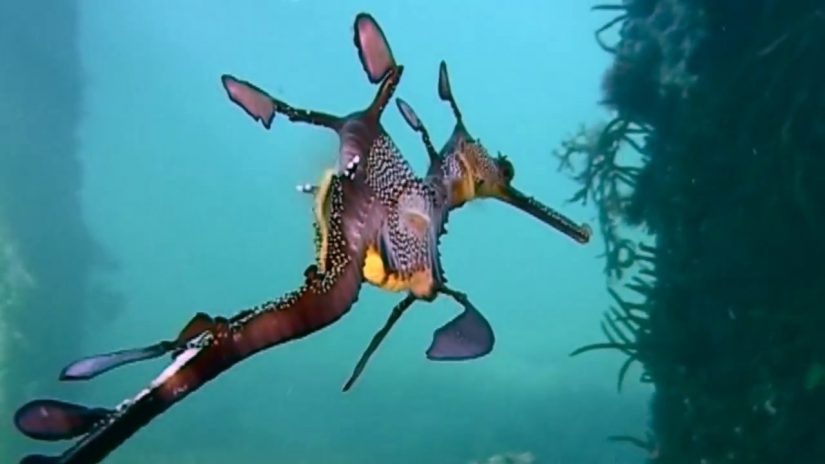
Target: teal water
197	206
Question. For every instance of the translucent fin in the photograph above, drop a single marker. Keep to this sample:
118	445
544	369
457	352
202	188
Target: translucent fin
373	48
263	107
444	90
252	99
409	114
468	336
87	368
53	420
39	459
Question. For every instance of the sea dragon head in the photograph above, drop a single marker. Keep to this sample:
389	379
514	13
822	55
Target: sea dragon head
470	172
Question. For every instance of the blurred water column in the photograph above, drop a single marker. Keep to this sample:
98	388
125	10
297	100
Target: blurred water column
46	253
7	302
15	283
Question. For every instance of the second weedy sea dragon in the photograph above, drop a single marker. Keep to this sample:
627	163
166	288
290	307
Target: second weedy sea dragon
465	171
354	218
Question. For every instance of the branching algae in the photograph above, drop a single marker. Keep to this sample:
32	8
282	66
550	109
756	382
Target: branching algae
723	101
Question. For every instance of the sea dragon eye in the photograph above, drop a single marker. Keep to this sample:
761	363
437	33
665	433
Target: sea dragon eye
505	167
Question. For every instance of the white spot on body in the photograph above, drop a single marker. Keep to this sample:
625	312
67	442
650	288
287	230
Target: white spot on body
173	368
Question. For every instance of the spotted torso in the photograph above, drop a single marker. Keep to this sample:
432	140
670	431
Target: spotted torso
404	255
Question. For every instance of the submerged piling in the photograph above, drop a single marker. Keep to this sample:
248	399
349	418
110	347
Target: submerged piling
723	307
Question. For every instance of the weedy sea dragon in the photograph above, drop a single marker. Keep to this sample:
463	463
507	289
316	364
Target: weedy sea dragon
465	171
405	255
354	217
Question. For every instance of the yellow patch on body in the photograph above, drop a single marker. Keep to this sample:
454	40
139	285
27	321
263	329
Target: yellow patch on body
465	188
322	215
420	283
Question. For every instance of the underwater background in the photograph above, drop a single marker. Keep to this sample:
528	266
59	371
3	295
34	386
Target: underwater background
134	194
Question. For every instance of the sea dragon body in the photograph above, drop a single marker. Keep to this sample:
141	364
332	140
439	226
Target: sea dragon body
353	217
405	255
